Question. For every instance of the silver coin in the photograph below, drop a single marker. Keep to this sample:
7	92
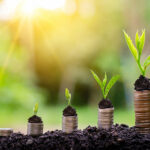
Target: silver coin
6	131
35	129
69	123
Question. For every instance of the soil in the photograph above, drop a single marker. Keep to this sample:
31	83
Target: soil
69	111
119	137
142	83
105	103
35	119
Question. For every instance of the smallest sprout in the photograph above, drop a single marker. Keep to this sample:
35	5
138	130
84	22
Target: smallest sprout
68	96
35	109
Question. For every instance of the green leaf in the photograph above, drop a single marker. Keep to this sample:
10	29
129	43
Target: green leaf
105	80
35	109
142	41
131	46
110	84
68	96
147	62
137	40
98	81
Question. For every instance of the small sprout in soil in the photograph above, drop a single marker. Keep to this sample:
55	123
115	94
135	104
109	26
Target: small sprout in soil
35	109
69	110
105	88
137	50
68	96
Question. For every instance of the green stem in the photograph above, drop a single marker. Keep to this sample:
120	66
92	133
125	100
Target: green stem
141	69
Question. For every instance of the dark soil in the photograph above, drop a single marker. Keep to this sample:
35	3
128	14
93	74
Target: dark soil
69	111
142	83
105	103
35	119
119	137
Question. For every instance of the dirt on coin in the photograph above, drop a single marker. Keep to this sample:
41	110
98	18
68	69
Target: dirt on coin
142	83
35	119
105	103
119	137
69	111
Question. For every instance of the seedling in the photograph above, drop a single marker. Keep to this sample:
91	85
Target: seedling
103	83
35	109
69	119
35	123
68	96
137	51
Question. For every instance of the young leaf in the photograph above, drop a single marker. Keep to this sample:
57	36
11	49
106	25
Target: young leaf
68	96
98	81
105	80
35	109
142	41
147	62
137	40
110	84
131	46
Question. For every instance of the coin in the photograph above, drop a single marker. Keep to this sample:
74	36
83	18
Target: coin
69	123
35	129
105	118
6	131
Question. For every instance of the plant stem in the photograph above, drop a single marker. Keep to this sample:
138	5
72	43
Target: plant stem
140	67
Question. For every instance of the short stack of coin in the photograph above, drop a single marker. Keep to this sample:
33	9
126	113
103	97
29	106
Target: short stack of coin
142	111
6	131
35	129
69	123
105	118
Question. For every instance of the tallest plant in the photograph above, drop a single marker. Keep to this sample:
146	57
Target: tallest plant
142	85
137	50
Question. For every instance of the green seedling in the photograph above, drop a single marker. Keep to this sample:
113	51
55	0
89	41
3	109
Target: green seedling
103	83
137	50
68	96
35	109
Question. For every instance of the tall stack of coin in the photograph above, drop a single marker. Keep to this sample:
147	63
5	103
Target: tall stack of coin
6	131
69	123
142	111
35	129
105	118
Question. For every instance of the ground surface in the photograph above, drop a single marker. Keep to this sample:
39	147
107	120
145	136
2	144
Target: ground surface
117	138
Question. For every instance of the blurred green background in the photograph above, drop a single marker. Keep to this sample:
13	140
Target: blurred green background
46	46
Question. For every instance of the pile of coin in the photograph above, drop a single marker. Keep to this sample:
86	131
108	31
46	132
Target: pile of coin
6	131
105	118
35	129
142	111
69	123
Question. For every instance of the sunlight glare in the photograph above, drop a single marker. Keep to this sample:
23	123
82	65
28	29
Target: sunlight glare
52	4
28	7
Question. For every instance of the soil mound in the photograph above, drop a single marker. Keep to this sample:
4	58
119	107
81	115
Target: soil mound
119	137
69	111
105	103
35	119
142	83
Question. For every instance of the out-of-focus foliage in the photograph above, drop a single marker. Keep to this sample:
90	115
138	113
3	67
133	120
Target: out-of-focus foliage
17	82
55	49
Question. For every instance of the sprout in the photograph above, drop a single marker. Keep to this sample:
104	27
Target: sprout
35	109
105	89
137	51
68	96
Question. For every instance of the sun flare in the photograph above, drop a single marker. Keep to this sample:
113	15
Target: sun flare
29	6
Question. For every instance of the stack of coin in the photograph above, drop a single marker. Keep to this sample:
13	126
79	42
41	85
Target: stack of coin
69	123
35	129
6	131
105	118
142	111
